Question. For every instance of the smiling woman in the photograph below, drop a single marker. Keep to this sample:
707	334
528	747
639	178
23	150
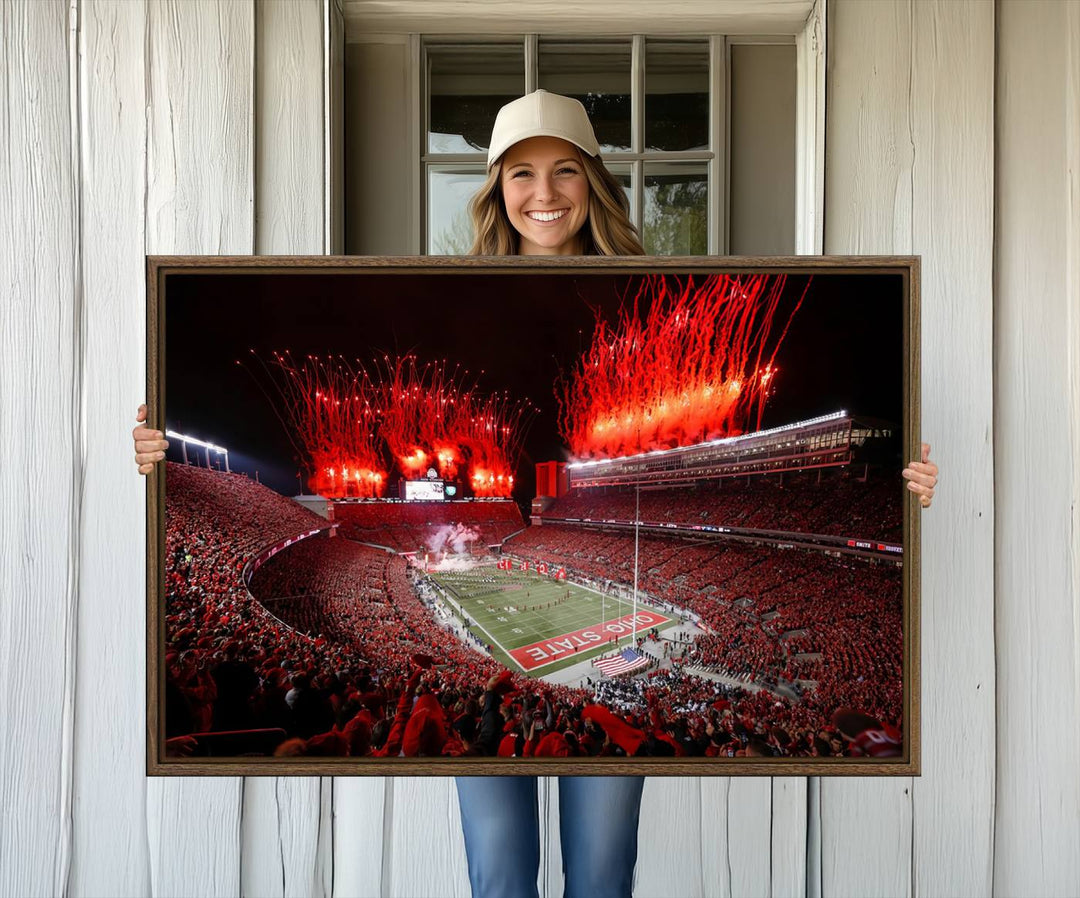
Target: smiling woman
547	190
546	195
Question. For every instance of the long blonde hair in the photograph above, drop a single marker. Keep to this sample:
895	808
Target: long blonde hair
608	230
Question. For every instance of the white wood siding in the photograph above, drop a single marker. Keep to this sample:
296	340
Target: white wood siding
1036	369
200	197
41	429
286	835
909	149
109	819
953	131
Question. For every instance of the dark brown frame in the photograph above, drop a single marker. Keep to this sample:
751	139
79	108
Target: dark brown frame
159	267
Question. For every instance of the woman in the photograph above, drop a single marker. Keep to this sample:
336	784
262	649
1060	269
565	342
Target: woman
548	193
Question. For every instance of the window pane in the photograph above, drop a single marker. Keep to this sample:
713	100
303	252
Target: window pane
624	175
467	84
597	74
449	191
676	95
676	209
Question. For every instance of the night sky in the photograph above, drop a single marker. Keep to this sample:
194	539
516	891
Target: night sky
843	349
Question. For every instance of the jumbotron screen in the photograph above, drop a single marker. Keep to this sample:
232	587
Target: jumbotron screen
424	491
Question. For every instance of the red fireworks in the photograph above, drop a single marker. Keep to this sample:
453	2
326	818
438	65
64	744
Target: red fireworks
491	441
698	365
345	419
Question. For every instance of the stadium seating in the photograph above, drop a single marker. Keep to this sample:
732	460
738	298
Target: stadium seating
411	526
328	648
748	598
837	505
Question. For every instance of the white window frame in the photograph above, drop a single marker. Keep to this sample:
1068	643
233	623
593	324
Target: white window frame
810	125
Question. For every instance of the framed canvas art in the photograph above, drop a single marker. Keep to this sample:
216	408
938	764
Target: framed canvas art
533	516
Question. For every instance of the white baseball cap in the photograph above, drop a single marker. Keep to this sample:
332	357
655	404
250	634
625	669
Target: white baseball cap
541	114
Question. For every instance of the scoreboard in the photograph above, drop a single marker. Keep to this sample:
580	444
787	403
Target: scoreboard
423	490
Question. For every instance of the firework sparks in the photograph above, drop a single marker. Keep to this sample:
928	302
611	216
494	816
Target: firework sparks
354	423
700	364
330	411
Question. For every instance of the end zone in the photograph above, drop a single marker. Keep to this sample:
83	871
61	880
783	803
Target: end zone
558	648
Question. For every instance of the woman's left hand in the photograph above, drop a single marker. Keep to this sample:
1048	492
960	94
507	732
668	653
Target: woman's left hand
922	477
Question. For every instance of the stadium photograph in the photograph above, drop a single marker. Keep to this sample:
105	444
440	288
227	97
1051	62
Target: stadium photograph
533	518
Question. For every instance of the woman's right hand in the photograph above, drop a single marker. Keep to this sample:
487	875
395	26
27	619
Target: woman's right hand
150	444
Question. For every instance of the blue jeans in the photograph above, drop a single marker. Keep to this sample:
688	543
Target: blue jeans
598	822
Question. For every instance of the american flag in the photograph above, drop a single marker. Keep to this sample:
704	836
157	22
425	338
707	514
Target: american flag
626	661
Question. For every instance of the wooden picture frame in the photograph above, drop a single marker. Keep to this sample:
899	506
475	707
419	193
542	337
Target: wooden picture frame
780	349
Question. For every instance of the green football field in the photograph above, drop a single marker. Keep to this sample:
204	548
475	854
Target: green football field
539	625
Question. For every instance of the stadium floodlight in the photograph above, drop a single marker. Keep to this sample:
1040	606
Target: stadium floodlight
724	441
195	441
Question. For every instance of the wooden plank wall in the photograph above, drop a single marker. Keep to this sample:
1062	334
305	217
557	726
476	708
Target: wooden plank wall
286	829
110	787
41	431
953	131
1037	449
199	199
909	169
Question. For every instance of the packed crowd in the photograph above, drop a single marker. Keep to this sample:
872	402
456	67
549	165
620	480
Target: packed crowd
832	503
752	601
410	526
340	657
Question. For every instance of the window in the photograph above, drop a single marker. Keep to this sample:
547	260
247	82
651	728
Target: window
660	110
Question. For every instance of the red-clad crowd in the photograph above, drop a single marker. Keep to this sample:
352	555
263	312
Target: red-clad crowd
764	609
412	526
831	503
338	655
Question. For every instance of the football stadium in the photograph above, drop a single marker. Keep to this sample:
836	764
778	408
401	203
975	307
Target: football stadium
680	587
